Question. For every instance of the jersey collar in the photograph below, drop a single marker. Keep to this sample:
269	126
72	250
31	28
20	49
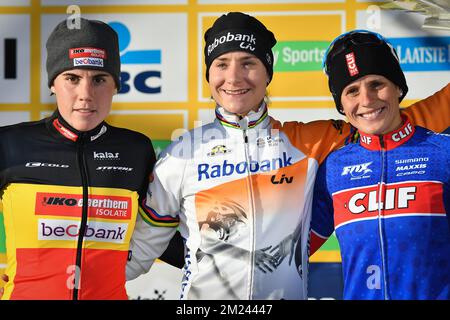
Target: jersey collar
389	140
251	120
59	126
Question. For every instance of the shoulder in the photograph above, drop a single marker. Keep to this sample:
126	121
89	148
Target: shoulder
130	136
19	129
434	137
317	125
344	152
185	145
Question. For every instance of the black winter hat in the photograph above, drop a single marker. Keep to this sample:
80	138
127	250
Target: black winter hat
356	54
94	45
237	31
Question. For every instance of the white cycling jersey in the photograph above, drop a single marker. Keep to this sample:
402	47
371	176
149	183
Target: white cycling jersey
242	191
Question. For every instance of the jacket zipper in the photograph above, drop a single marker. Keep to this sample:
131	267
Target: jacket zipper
380	218
84	214
251	214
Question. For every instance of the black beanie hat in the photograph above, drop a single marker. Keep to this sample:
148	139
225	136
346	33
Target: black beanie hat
356	54
94	45
237	31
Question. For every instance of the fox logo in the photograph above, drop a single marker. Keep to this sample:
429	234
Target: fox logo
357	170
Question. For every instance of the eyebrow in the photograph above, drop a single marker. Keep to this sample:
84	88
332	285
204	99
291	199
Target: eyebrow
77	75
244	58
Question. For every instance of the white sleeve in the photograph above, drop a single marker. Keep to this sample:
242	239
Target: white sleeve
158	216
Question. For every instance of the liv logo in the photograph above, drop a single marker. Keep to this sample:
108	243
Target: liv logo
147	81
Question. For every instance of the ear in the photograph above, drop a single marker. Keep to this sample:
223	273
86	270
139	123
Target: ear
52	89
400	92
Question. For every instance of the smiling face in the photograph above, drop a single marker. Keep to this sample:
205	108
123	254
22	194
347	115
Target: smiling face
84	97
371	104
238	82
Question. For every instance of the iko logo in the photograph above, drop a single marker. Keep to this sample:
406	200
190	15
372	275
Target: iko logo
49	229
106	156
47	165
143	57
423	53
357	171
70	205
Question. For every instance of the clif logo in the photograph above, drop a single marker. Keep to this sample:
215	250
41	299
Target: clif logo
351	64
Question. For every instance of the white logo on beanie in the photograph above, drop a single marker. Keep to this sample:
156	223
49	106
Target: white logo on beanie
247	41
95	62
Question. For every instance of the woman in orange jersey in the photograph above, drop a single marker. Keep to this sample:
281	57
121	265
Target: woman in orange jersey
241	187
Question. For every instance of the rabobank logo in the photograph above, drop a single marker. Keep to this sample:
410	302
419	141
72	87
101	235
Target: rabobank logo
423	53
207	171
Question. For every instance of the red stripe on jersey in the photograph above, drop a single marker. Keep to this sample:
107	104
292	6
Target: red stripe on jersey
410	197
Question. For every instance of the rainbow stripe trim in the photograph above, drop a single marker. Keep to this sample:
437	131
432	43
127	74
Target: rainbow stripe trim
151	217
236	125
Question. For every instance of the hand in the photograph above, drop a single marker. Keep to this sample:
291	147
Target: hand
264	261
284	248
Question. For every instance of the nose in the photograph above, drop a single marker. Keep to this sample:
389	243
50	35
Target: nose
234	73
85	90
367	96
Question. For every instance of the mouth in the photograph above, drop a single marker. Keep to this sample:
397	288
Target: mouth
373	114
235	92
84	111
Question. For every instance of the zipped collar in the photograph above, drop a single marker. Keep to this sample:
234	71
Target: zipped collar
253	119
58	126
389	140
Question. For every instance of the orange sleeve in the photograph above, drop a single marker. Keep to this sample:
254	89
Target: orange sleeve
433	112
317	139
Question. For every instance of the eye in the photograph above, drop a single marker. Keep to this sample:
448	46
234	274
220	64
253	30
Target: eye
72	78
249	63
377	84
99	79
353	91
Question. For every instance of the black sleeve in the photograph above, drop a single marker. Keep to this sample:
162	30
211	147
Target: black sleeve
174	254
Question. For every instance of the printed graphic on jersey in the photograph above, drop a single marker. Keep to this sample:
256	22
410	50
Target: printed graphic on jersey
70	205
225	224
